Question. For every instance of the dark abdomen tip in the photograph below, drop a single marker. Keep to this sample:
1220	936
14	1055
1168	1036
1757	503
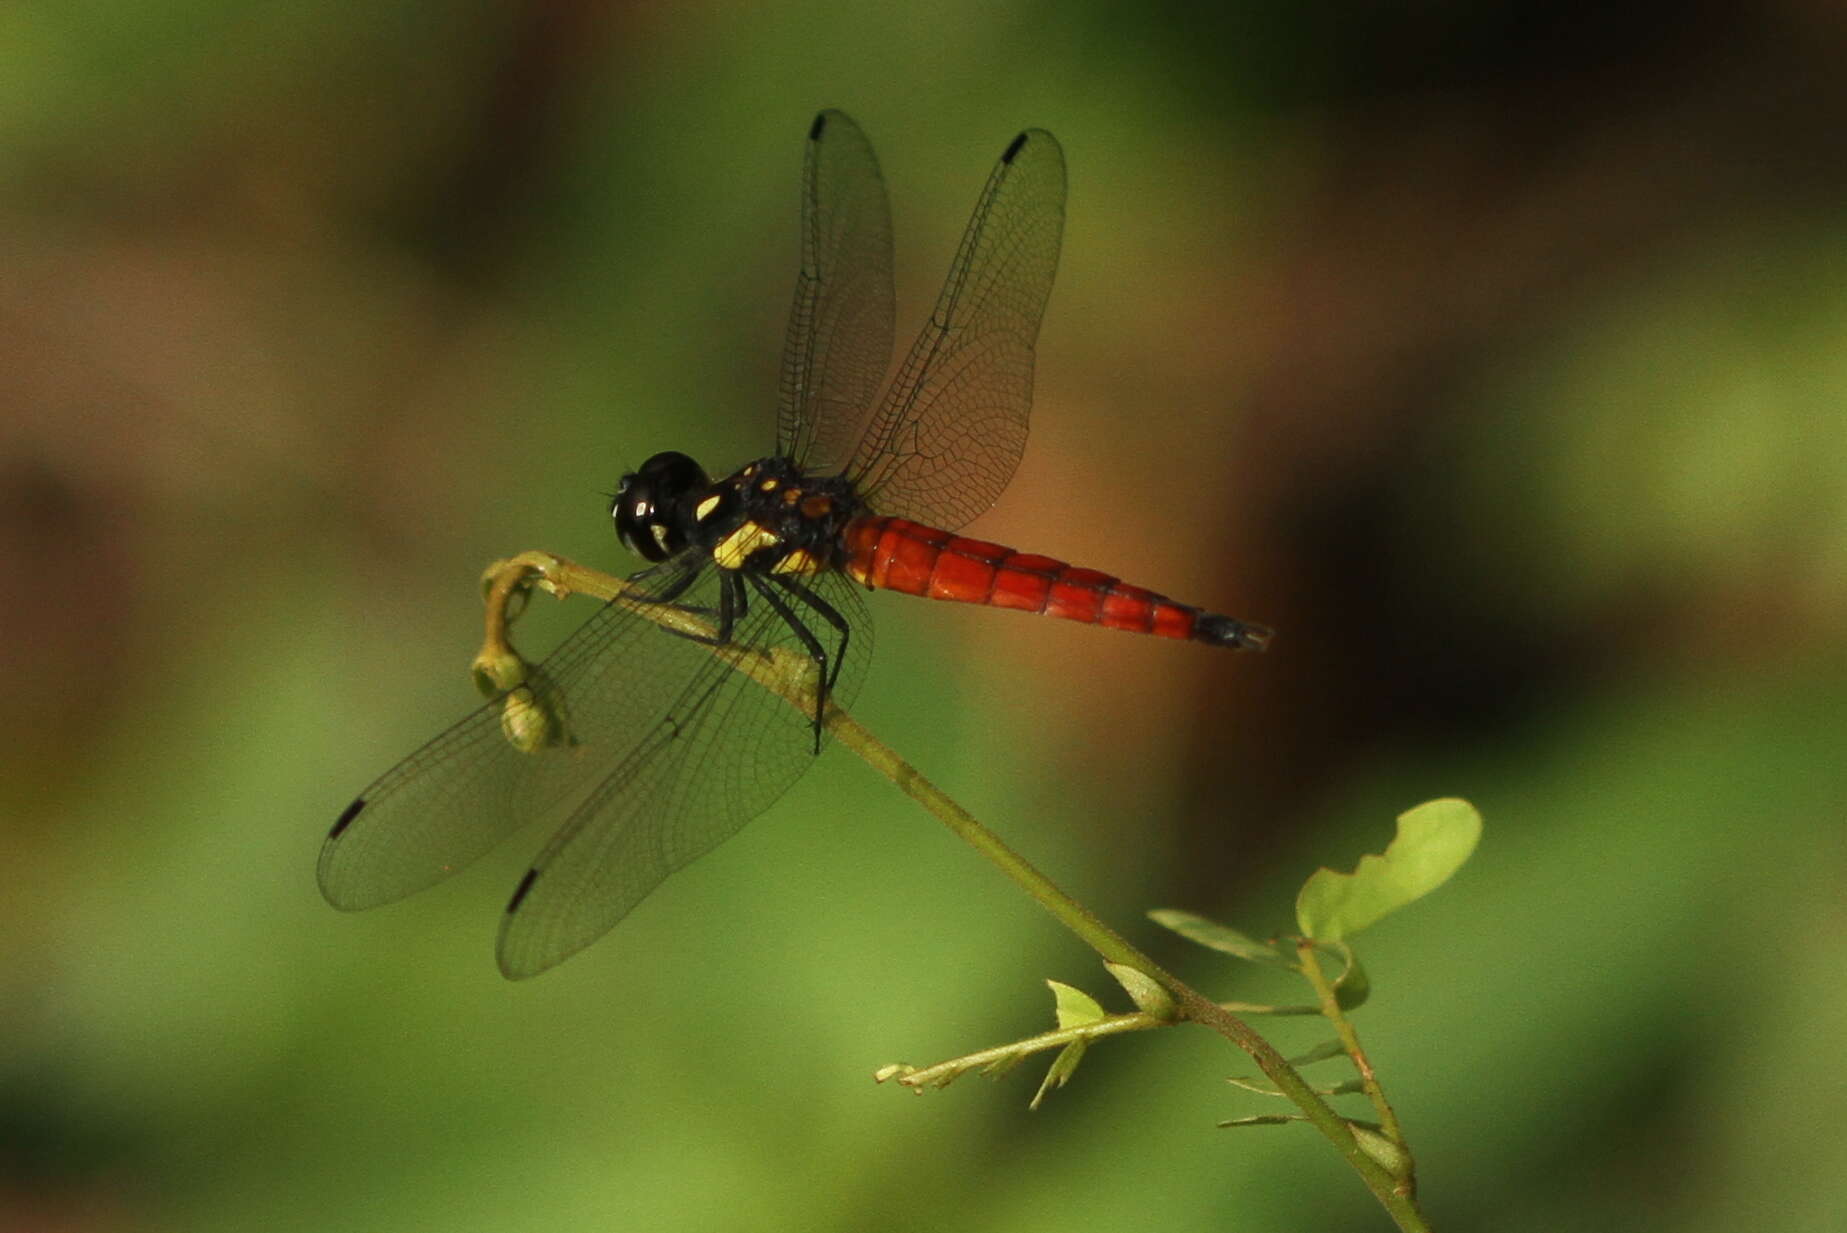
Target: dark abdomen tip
1211	627
346	817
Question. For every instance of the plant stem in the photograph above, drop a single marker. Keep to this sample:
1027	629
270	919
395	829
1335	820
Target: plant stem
1194	1006
1350	1044
790	676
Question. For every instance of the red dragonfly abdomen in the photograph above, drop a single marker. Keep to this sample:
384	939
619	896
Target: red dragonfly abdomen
894	554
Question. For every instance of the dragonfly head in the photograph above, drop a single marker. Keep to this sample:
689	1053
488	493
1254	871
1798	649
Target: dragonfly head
650	520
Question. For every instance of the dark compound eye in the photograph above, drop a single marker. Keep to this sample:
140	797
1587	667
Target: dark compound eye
647	508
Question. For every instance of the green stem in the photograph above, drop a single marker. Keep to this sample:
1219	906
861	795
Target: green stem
1194	1006
1073	915
940	1074
791	677
1350	1044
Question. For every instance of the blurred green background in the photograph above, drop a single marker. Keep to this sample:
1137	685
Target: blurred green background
1494	354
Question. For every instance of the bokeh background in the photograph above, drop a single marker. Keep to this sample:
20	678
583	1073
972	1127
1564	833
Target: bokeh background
1495	354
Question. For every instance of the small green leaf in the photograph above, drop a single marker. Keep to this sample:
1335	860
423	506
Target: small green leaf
1002	1065
1433	841
1148	996
1075	1007
1211	934
1320	1053
1264	1087
1061	1070
1354	986
1254	1083
1264	1119
1247	1008
1387	1154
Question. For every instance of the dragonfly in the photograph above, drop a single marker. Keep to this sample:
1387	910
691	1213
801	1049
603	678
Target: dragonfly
663	750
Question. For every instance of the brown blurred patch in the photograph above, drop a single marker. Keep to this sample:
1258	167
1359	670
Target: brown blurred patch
1447	221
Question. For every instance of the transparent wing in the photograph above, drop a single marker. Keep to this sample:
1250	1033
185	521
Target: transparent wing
470	787
609	688
949	433
839	340
692	775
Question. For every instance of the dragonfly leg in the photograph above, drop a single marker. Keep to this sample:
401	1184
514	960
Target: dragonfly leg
732	606
827	612
824	672
672	591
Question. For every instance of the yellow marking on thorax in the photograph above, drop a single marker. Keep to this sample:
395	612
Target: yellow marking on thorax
735	547
801	561
704	509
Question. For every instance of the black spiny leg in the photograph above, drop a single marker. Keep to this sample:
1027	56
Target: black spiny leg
732	606
827	612
824	678
673	590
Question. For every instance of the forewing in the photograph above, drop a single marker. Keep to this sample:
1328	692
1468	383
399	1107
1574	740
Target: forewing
469	788
697	770
839	340
949	433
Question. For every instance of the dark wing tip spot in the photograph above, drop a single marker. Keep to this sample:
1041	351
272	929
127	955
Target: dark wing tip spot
525	884
815	129
1014	148
346	817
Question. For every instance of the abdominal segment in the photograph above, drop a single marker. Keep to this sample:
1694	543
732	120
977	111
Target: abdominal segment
897	555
